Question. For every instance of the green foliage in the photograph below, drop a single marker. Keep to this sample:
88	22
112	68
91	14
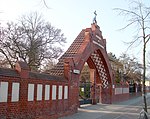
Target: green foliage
84	90
117	77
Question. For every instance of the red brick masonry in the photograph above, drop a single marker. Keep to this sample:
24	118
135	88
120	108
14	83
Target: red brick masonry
29	95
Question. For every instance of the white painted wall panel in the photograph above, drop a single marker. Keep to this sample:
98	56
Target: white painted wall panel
15	92
53	92
3	91
30	92
125	90
47	92
39	91
118	91
60	92
66	92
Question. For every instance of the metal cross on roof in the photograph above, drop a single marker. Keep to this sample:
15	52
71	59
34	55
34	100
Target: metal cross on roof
94	20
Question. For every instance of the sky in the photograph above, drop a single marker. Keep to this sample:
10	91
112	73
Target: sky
71	16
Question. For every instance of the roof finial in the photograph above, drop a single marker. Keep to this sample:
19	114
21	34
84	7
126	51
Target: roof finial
94	20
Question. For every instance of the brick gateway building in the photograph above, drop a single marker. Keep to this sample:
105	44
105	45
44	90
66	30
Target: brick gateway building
29	95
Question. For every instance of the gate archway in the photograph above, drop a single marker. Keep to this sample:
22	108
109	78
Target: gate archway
90	47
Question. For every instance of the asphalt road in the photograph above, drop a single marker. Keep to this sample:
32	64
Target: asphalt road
124	110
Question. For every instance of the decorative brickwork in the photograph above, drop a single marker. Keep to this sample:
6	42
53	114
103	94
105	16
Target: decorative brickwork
90	47
101	69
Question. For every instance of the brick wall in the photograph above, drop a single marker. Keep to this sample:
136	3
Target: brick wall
120	93
28	95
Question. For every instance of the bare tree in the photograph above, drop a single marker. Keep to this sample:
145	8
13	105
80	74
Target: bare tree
45	4
32	40
148	57
139	15
48	66
132	69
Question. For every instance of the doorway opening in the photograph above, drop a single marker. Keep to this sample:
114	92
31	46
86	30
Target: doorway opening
89	89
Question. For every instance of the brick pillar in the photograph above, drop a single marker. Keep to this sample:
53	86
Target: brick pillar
23	69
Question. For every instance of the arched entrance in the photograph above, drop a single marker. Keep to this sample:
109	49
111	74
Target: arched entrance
90	47
100	83
89	88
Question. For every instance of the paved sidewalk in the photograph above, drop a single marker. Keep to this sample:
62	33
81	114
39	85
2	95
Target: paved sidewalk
129	109
105	112
138	100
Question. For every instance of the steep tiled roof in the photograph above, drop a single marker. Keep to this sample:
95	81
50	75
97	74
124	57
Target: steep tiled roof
70	53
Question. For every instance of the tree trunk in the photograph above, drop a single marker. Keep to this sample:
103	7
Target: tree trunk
144	73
